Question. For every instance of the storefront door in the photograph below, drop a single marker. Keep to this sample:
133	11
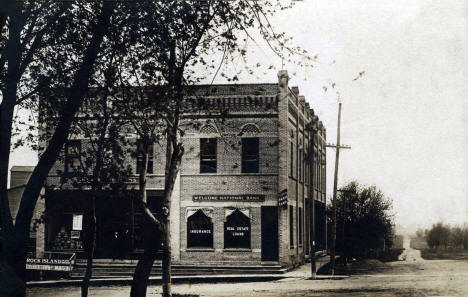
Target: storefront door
269	233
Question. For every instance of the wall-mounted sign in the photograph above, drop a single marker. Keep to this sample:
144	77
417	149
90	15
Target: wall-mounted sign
75	234
222	198
283	198
237	230
132	180
77	222
199	230
49	264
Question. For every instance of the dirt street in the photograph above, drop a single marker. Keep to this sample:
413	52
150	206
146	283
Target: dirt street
411	277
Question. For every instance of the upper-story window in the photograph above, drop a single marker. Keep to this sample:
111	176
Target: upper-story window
72	155
208	154
306	164
291	161
300	165
149	169
250	155
324	185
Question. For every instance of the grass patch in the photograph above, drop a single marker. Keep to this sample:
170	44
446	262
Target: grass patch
444	254
418	243
390	255
356	267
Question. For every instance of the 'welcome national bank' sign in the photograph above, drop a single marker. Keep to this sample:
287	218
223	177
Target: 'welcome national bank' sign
222	198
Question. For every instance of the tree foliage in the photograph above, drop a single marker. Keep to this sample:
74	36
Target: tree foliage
444	236
54	50
364	220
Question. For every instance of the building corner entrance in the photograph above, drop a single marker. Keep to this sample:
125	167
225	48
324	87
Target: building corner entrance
269	233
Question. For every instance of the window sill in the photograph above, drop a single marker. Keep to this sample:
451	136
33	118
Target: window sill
200	250
237	250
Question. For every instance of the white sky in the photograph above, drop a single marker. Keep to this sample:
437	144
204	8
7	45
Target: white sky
406	118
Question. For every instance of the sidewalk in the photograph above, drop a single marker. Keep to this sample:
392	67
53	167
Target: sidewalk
304	271
301	272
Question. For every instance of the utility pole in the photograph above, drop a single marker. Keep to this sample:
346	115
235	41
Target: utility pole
343	228
335	183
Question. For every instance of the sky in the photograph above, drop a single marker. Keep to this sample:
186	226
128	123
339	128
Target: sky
406	117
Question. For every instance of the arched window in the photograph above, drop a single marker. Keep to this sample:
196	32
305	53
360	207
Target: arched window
208	129
237	230
199	230
250	129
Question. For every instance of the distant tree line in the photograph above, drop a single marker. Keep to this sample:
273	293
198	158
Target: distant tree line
445	236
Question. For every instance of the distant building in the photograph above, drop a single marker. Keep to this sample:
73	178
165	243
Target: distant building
241	195
19	177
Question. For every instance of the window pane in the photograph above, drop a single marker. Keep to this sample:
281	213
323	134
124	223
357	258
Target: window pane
250	155
237	230
199	230
291	227
149	168
300	225
291	161
208	155
72	155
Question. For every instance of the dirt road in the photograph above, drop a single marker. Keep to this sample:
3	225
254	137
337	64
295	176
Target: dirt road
412	277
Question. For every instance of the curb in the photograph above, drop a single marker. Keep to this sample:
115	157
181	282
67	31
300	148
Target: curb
158	280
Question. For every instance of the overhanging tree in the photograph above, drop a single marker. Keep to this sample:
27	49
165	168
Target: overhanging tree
173	53
101	170
15	236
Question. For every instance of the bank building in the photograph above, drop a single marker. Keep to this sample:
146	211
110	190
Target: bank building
244	205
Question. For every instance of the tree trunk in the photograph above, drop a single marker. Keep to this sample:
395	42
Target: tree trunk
174	152
12	55
144	266
13	254
15	249
89	245
152	230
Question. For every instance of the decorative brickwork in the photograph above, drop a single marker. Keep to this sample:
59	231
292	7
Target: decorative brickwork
280	119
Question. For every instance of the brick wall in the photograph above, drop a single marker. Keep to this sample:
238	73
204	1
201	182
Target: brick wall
280	116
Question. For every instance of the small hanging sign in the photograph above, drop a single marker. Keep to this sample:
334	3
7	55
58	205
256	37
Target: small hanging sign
77	222
283	198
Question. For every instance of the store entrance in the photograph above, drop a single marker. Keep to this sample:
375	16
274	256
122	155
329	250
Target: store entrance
120	222
269	233
113	229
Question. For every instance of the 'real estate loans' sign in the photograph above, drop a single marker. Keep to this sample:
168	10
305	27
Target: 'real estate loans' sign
222	198
49	264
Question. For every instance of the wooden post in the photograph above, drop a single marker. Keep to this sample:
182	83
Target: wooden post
335	182
338	146
312	201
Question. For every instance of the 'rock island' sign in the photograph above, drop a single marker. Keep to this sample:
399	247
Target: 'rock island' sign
222	198
49	264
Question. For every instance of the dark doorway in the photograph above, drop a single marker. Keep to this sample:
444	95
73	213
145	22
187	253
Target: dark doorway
112	226
269	233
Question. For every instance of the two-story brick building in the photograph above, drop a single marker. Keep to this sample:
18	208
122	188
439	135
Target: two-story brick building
242	193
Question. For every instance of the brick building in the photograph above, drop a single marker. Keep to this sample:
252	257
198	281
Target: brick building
242	193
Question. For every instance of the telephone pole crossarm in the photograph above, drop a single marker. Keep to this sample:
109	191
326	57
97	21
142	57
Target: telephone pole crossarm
341	146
